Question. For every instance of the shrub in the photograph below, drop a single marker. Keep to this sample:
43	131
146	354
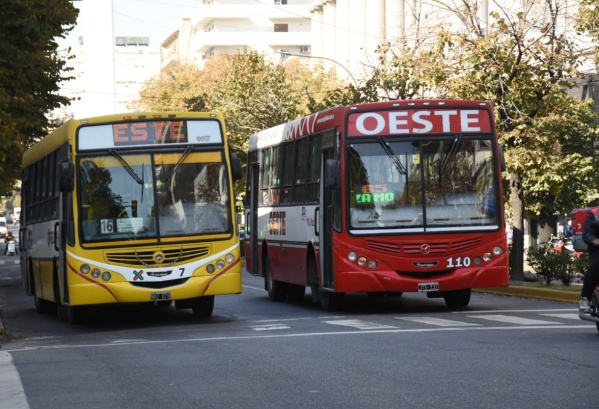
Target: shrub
551	265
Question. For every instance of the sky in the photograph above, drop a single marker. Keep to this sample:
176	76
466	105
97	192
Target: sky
156	19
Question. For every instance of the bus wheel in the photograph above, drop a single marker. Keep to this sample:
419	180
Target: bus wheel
330	301
202	307
276	289
76	315
42	306
296	292
458	298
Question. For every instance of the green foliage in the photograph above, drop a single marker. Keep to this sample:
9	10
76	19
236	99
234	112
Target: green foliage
553	265
31	70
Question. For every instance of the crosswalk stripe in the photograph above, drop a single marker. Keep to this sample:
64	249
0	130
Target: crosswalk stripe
365	325
269	327
573	316
439	322
512	320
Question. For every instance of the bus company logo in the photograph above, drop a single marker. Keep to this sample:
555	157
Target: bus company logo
276	223
159	273
427	264
425	248
138	275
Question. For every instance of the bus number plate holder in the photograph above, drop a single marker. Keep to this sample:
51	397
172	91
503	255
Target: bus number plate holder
160	296
427	287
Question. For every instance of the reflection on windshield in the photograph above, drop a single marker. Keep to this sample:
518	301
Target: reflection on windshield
416	184
178	195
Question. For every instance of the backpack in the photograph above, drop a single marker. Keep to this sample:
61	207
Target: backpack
578	218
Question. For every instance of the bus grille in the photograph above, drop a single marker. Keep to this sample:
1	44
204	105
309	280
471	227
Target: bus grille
146	258
441	248
383	246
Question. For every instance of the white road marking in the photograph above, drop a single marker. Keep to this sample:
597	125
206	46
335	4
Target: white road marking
513	320
573	316
269	327
11	388
359	324
439	322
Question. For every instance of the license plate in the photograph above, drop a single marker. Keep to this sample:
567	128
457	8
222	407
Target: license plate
160	296
428	287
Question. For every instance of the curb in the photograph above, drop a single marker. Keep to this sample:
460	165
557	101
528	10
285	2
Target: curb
532	292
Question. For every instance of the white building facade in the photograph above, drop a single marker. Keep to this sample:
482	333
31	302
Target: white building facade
266	26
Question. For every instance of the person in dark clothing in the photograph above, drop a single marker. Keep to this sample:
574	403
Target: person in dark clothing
590	236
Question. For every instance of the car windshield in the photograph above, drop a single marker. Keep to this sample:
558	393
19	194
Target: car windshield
415	184
153	195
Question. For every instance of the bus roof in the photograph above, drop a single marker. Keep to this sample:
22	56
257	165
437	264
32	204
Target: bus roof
334	117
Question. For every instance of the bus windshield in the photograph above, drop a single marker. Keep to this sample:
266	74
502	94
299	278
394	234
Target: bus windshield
153	195
422	184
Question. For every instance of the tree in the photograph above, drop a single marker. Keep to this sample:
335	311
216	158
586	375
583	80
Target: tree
523	65
31	69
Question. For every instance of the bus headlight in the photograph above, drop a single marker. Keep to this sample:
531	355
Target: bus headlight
362	261
498	251
210	268
352	256
487	256
230	258
478	261
220	264
372	264
85	268
106	276
95	273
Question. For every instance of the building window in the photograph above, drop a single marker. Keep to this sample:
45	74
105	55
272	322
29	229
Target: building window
281	28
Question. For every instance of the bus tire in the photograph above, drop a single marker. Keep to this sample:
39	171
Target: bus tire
202	307
296	292
42	306
331	301
457	298
76	315
276	289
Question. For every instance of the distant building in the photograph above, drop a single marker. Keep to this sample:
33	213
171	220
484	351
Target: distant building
275	27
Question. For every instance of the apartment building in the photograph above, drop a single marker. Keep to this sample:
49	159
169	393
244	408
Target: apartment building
271	27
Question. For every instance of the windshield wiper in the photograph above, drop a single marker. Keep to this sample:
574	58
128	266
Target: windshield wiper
127	167
181	159
400	167
451	153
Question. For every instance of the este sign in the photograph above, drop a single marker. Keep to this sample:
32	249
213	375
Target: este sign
419	121
143	133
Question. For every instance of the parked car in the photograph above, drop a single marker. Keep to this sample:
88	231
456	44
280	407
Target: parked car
3	228
9	219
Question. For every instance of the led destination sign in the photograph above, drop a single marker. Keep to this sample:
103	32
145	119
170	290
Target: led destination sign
374	194
149	133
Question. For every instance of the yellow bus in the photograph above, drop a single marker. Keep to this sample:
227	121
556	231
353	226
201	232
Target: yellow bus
131	208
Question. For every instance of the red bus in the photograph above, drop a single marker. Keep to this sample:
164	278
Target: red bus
380	198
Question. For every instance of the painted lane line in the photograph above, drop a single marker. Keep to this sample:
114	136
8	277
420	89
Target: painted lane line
513	320
439	322
573	316
269	327
11	387
359	324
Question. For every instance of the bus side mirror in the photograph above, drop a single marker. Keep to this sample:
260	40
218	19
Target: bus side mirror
331	172
66	176
235	165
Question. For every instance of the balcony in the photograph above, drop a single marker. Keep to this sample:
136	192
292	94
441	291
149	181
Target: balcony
205	14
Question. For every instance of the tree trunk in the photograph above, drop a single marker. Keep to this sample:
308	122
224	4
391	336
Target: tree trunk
517	201
547	225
